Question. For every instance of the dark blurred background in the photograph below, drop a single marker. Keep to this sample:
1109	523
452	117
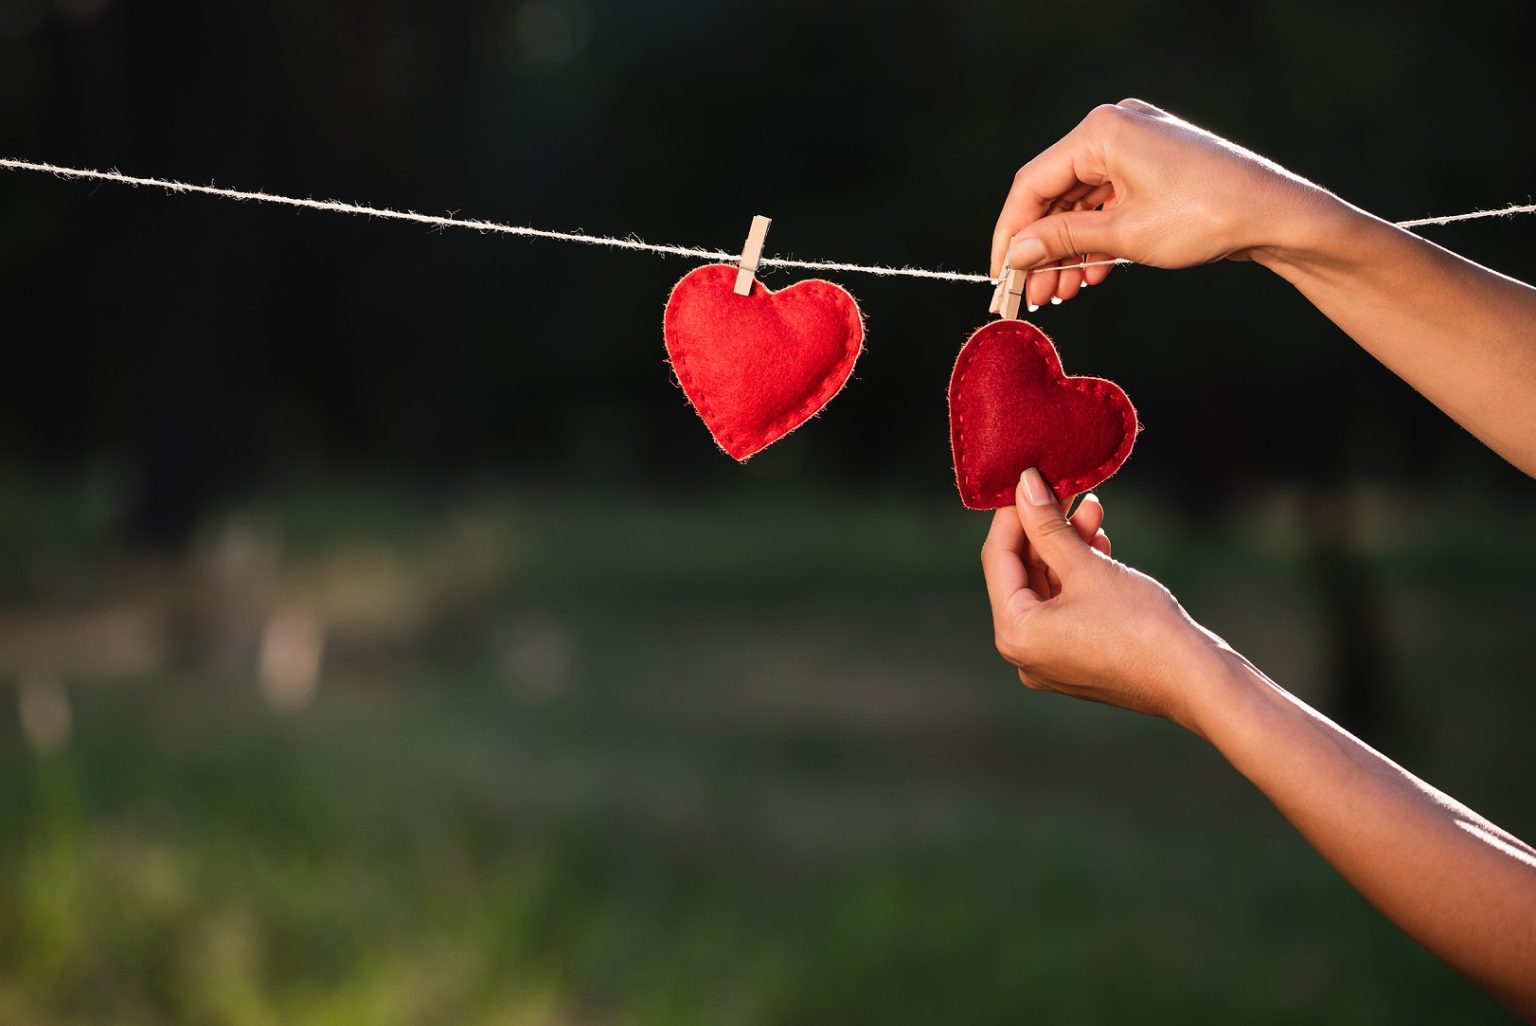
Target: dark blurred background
389	643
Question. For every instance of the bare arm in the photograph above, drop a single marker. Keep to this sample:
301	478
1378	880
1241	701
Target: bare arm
1463	335
1452	880
1132	181
1093	628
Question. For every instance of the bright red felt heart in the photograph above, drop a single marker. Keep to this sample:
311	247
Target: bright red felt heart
1011	408
756	367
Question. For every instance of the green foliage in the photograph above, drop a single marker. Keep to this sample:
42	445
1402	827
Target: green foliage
765	782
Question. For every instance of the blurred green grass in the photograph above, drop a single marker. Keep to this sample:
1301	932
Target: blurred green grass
743	758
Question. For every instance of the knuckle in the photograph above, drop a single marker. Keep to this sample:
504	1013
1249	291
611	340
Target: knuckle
1055	525
1008	648
1063	234
1112	119
1103	112
1007	639
1139	107
1106	116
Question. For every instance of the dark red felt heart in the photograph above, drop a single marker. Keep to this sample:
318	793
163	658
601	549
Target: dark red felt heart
1011	408
756	367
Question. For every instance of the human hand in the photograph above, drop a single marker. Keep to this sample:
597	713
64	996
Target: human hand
1088	521
1073	620
1136	182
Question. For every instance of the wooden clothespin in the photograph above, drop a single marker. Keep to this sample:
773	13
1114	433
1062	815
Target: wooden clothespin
998	293
1011	293
751	253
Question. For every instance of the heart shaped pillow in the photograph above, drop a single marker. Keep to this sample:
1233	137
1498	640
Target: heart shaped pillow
1011	408
756	367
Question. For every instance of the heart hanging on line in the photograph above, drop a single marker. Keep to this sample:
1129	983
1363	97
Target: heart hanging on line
756	367
1011	407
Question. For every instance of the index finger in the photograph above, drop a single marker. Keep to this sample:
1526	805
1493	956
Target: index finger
1074	159
1002	558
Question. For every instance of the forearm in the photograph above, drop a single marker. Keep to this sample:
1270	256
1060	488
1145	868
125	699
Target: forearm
1462	335
1452	880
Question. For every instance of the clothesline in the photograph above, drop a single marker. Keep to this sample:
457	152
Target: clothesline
585	238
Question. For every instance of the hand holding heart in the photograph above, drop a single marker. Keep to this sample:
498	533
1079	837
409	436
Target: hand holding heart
1073	620
1069	617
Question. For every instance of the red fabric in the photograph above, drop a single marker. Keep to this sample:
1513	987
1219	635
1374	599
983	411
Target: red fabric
1011	408
757	367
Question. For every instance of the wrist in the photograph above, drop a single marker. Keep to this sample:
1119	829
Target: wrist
1312	231
1237	701
1217	687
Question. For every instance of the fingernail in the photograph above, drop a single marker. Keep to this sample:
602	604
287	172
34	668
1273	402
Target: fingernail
1035	489
1082	284
1026	254
1032	307
1090	497
1055	300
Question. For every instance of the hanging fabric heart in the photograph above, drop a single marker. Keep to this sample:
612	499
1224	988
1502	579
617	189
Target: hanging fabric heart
758	366
1011	407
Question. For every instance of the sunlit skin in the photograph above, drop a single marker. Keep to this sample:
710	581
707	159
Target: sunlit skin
1173	195
1074	620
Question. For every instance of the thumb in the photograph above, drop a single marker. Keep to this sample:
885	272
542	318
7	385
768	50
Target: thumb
1053	538
1067	234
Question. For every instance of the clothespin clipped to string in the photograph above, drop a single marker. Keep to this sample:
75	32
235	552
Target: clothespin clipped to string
751	253
1009	295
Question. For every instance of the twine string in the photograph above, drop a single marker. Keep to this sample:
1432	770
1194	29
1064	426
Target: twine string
443	221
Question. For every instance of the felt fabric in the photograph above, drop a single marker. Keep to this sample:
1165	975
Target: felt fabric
756	367
1011	407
